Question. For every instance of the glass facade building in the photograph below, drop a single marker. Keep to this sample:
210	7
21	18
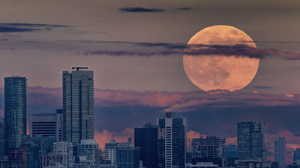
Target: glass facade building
14	112
78	106
171	141
128	156
146	139
251	141
280	152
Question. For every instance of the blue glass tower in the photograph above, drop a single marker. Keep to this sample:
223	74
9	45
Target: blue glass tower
14	112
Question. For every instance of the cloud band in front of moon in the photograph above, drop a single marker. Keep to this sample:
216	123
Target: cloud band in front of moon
165	49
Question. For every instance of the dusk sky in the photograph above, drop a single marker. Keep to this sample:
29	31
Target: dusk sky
123	43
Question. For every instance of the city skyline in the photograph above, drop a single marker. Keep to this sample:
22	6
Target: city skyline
39	40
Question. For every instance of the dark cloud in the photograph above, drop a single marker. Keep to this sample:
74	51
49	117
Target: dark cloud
140	9
26	27
184	8
170	49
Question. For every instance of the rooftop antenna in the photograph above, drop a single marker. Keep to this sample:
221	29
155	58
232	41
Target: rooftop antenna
77	68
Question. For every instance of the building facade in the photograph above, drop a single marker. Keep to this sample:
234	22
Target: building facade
110	151
88	153
251	141
127	156
46	124
280	152
146	139
14	113
65	149
296	156
78	106
171	141
209	149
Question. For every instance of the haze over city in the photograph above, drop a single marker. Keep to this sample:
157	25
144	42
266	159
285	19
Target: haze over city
125	44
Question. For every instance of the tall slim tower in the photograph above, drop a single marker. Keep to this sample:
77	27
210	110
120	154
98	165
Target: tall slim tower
280	151
14	112
78	106
251	141
171	141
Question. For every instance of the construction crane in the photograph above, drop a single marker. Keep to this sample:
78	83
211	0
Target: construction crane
25	148
77	68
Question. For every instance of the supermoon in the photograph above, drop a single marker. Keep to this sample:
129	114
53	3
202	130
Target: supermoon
212	72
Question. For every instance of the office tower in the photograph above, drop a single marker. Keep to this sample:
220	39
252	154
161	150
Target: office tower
209	149
251	141
280	152
110	152
14	113
171	141
296	155
78	106
127	155
146	139
65	149
46	124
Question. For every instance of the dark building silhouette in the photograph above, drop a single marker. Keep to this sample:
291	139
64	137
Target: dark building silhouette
171	141
251	141
14	114
146	139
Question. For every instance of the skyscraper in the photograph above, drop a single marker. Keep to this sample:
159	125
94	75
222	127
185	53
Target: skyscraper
146	139
171	141
280	152
78	106
251	141
14	112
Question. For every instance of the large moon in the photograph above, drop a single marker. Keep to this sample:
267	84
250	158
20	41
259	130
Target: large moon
212	72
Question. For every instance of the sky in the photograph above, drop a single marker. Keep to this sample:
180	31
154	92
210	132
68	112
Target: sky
125	44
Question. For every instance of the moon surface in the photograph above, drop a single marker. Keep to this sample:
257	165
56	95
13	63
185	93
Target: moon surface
213	72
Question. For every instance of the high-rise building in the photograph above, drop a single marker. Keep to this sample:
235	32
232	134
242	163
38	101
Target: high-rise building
251	141
209	149
14	113
110	152
127	155
78	106
46	124
280	152
296	156
146	139
171	141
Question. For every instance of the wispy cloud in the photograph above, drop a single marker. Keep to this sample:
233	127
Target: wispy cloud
140	9
26	27
169	49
